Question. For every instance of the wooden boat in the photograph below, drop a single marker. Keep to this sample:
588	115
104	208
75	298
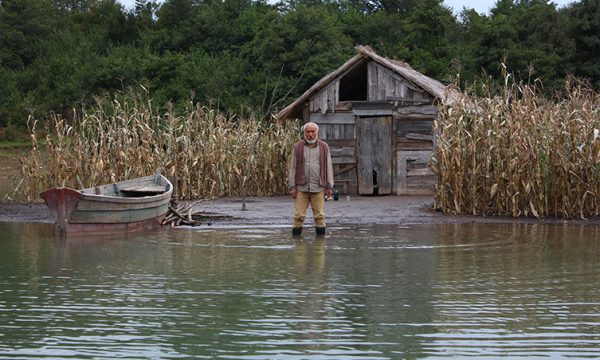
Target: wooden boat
122	206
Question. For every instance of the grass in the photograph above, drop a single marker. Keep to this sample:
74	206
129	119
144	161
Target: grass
15	144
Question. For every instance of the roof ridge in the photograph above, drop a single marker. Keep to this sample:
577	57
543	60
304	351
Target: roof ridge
430	85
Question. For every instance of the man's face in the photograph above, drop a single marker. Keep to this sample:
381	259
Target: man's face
310	133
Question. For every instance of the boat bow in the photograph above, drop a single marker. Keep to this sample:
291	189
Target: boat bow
61	202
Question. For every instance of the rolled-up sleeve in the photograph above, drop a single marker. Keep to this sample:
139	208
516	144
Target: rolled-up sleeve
292	171
329	171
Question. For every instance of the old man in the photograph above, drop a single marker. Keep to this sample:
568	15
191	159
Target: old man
310	178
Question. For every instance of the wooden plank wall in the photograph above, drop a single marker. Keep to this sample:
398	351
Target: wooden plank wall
386	85
326	99
338	130
414	143
412	147
413	174
374	155
388	94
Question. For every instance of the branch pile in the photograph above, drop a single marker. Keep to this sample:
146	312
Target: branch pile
178	215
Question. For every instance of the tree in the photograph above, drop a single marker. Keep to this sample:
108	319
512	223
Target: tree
56	54
24	24
294	50
425	38
144	15
527	36
585	31
174	26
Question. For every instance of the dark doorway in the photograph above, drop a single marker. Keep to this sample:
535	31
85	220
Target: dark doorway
353	85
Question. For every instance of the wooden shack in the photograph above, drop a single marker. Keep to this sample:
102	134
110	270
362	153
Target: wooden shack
377	116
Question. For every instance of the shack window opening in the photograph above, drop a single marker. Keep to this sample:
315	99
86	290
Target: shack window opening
353	85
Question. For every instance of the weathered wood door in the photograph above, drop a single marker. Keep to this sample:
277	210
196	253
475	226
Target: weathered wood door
374	155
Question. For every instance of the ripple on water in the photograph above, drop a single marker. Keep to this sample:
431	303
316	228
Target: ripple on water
362	292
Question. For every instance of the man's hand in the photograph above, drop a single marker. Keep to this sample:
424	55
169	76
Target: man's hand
293	192
329	193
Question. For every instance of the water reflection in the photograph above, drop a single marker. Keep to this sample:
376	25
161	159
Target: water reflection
525	289
363	292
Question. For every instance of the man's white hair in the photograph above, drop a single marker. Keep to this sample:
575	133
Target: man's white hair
310	123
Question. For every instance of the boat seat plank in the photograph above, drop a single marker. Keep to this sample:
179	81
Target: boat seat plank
143	189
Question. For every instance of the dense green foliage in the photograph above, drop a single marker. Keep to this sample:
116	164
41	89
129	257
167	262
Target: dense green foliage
57	55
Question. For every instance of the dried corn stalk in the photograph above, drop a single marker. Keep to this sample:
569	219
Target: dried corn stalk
207	150
520	154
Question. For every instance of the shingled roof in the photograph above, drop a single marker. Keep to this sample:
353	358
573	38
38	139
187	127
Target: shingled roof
432	86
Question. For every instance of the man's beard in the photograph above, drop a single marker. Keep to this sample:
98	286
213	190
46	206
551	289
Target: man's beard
311	142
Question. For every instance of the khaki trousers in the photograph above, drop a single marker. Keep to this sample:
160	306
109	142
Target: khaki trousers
317	203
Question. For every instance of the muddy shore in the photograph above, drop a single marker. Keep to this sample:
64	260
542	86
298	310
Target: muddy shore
278	210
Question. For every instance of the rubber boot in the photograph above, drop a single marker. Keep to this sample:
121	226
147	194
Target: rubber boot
296	231
320	230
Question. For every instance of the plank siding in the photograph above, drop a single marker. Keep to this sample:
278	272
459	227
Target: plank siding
336	132
397	114
329	118
371	83
374	155
413	173
404	127
417	110
343	151
345	180
373	105
326	99
343	160
420	185
414	145
384	84
374	112
340	142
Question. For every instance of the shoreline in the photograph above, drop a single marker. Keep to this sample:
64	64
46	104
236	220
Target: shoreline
278	210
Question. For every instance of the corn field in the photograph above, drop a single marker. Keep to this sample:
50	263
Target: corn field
211	154
520	154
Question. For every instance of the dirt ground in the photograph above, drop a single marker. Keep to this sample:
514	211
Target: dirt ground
278	210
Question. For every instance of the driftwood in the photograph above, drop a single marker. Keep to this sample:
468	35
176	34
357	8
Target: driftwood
185	215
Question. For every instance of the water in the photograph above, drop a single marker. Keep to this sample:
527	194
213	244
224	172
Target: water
365	292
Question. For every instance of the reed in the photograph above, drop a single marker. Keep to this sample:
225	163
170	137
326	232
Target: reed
125	138
519	153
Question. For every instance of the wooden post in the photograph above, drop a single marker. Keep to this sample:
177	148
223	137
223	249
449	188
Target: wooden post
175	195
401	174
